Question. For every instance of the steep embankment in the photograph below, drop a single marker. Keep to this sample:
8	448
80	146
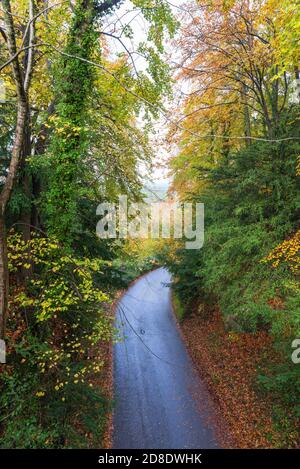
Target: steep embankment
229	364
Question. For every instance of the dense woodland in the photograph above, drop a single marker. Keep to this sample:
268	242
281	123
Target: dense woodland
77	123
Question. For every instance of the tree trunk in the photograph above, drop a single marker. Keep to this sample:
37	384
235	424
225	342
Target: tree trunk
16	155
246	114
4	199
297	77
3	277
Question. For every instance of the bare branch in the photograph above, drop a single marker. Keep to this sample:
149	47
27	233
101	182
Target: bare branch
31	47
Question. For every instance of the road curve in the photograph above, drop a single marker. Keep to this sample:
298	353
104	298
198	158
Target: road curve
160	402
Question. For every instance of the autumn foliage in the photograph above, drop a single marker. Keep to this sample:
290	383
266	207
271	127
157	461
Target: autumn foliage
229	363
237	137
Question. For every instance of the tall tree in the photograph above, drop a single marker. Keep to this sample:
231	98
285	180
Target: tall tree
22	86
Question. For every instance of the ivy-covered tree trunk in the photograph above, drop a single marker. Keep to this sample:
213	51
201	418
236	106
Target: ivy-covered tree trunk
73	87
73	83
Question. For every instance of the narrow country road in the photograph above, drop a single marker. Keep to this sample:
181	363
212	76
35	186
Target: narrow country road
155	383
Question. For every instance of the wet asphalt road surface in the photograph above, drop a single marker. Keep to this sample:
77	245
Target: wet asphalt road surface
160	402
